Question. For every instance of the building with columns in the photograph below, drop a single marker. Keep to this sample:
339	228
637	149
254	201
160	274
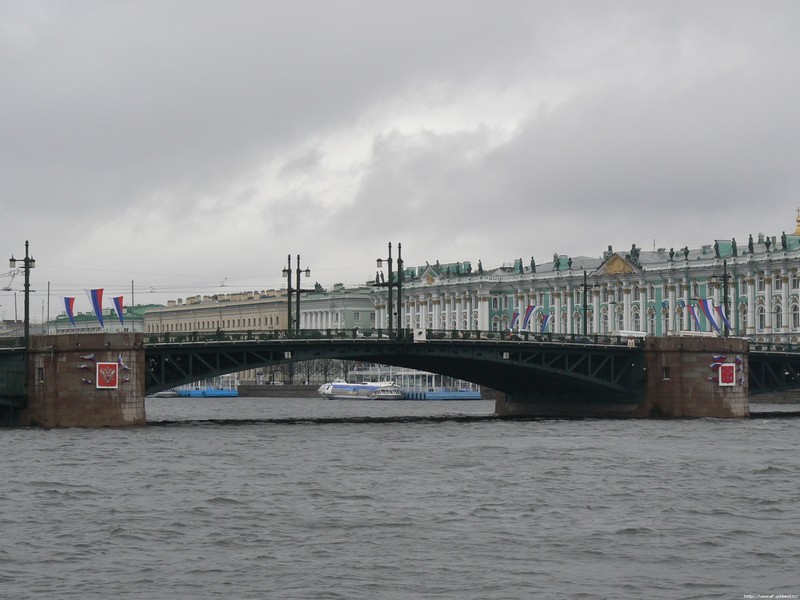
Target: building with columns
239	312
749	289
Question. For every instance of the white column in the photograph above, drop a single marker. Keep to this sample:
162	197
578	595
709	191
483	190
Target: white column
570	307
768	303
751	304
671	321
483	312
626	308
557	314
785	301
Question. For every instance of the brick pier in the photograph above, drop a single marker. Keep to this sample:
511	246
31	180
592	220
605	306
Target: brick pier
678	381
63	376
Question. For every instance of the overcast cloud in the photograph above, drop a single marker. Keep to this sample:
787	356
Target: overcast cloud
189	146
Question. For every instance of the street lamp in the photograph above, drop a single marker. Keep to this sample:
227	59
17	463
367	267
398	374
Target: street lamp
725	278
585	287
288	273
28	263
389	284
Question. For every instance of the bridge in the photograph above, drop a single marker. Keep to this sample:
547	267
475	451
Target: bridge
550	374
541	366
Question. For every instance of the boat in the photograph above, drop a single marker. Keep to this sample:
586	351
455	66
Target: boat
421	385
339	389
224	386
208	392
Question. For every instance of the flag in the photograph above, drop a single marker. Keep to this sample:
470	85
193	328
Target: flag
119	308
724	318
514	319
545	319
69	303
694	316
96	296
707	306
528	313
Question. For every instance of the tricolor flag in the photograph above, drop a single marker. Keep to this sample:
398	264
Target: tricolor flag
545	319
694	316
514	319
528	313
96	297
119	308
724	318
69	304
707	307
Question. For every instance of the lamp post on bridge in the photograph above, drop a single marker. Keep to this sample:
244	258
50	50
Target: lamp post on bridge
725	278
296	290
28	263
389	283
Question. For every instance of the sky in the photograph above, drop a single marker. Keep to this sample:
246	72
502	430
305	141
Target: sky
165	149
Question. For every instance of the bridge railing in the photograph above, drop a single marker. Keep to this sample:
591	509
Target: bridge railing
222	336
12	342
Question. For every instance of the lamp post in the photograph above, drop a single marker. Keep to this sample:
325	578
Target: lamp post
389	284
28	263
399	291
725	331
585	306
725	278
296	290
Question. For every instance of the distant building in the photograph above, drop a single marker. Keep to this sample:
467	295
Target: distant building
246	311
661	292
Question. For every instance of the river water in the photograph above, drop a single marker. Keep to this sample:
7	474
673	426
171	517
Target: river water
241	498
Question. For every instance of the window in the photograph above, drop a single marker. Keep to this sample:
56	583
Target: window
778	283
762	318
795	316
744	286
760	284
357	317
778	317
665	373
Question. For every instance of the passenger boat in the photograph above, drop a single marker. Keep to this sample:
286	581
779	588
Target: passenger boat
339	389
421	385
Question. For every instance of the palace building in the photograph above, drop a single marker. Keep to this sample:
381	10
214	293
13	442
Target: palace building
747	289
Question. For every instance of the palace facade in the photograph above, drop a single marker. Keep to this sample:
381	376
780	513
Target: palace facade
750	289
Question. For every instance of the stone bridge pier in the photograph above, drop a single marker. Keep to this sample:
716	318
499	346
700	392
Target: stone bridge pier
680	379
86	380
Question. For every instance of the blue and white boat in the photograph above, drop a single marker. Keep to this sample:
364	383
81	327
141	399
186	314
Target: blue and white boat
339	389
420	385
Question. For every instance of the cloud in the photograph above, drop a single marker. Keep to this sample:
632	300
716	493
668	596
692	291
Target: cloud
183	144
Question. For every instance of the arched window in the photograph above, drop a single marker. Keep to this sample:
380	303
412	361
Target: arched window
637	321
795	316
604	323
778	317
762	318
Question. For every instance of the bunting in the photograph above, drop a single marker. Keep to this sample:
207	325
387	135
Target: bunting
119	308
706	306
69	304
721	313
694	316
527	319
96	297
